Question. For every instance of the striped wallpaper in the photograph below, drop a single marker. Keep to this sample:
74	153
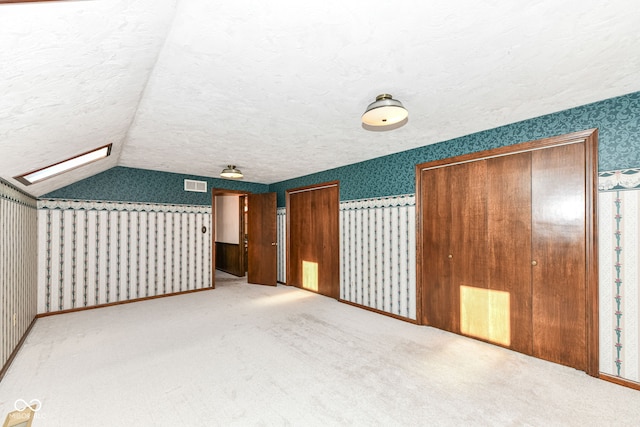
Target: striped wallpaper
18	262
378	254
619	253
93	253
281	218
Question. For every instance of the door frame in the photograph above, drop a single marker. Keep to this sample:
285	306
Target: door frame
223	192
589	137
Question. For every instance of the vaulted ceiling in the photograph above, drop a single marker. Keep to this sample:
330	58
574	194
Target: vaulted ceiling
278	87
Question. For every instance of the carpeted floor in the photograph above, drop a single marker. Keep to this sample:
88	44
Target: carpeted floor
253	355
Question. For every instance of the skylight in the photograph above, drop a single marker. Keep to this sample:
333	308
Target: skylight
64	166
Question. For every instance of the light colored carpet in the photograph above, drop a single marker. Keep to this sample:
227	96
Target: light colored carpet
252	355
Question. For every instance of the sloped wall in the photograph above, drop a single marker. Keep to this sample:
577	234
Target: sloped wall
18	266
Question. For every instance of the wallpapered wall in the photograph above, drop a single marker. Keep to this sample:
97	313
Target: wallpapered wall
18	266
147	186
617	119
93	253
619	284
378	254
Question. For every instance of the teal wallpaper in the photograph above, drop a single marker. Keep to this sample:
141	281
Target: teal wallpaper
123	184
617	119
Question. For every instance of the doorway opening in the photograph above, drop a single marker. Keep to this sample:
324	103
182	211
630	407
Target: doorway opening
244	236
230	233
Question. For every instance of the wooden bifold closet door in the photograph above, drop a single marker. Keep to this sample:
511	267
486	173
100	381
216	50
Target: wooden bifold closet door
313	238
505	248
559	228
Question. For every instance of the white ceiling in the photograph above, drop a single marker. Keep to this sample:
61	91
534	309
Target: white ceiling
278	87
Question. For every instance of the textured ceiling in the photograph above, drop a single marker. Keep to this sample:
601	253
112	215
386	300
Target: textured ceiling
277	88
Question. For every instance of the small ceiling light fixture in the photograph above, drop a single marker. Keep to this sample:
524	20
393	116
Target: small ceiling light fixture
384	111
231	172
64	166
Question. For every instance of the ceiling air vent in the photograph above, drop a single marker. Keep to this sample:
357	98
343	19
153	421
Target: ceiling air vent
197	186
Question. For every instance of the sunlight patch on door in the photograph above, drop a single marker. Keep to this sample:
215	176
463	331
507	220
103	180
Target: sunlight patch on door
310	275
485	314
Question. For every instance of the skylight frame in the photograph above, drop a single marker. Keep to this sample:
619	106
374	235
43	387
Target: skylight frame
64	166
25	1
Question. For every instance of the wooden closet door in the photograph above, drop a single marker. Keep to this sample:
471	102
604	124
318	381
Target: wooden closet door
328	239
301	247
559	255
454	248
438	301
468	251
537	272
468	233
509	242
313	239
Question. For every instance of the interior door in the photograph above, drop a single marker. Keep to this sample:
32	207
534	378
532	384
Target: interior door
262	239
558	257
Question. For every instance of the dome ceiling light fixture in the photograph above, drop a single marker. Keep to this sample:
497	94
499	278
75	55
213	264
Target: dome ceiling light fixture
384	111
231	172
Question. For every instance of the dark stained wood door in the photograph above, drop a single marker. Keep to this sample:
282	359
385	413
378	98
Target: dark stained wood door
518	228
436	264
262	239
508	189
300	246
559	229
313	238
473	217
468	233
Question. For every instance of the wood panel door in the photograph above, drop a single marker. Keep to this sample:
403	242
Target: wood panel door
436	265
508	187
559	255
468	231
300	246
313	238
519	223
472	253
262	239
